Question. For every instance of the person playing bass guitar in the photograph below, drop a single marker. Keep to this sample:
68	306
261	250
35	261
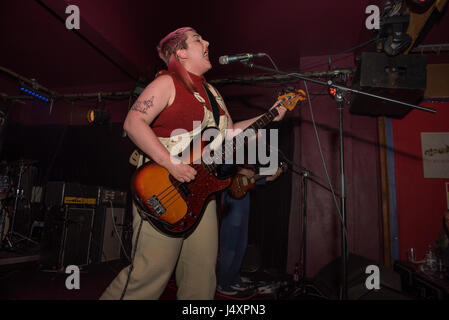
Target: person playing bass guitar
176	99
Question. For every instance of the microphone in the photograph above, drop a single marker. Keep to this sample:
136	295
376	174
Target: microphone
239	57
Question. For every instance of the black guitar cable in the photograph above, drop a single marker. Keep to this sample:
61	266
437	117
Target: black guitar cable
132	261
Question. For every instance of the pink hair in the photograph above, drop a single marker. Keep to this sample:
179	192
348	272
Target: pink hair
172	42
167	51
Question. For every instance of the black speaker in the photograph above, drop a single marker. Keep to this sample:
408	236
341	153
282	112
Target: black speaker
107	234
67	236
328	280
402	78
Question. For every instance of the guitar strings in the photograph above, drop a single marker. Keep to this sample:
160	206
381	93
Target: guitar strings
174	187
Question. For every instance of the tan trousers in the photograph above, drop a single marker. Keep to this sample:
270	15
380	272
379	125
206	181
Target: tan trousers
157	256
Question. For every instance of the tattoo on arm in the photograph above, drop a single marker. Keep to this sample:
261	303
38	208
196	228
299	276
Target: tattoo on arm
142	106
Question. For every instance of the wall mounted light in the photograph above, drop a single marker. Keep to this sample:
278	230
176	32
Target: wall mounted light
98	114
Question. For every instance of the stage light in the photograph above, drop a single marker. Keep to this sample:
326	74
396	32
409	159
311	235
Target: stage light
97	116
34	93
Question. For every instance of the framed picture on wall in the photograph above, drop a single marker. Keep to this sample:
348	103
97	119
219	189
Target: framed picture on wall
435	154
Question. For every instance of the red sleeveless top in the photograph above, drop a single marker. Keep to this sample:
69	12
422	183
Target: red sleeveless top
184	110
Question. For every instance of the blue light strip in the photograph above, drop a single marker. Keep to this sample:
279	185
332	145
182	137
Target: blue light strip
34	94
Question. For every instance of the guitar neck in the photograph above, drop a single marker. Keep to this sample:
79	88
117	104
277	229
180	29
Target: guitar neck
257	177
264	120
260	123
250	131
288	101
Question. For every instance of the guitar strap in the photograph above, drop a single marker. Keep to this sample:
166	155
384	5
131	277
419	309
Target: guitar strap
135	156
213	104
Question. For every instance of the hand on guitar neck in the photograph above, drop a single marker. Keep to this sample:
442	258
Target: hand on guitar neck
245	180
280	109
246	172
280	170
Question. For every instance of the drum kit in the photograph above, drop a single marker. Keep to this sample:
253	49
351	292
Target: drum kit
14	204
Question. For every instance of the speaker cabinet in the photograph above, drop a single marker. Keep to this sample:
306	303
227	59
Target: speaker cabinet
67	236
107	234
402	78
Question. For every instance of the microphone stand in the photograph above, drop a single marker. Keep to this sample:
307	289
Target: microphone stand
339	99
304	283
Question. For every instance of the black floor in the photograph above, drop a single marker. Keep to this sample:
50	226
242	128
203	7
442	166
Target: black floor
24	277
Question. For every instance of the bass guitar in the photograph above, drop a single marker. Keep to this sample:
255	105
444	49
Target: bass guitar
176	208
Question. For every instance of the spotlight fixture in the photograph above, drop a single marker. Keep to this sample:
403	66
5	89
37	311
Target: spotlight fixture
392	38
397	40
34	93
97	116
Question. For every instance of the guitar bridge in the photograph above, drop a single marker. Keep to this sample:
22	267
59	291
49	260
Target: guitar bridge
156	205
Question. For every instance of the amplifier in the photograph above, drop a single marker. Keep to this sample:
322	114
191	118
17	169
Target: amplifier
67	236
402	78
116	198
60	193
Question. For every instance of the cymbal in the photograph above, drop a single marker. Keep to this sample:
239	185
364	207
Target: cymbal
23	163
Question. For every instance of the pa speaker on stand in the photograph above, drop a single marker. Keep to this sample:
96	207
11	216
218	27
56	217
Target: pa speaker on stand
402	77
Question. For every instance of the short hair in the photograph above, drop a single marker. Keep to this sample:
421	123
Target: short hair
172	42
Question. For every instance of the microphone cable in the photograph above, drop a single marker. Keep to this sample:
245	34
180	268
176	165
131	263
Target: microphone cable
324	165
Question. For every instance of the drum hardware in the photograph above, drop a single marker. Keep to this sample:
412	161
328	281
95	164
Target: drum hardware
11	236
5	187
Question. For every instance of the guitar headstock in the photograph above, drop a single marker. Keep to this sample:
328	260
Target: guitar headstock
290	100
